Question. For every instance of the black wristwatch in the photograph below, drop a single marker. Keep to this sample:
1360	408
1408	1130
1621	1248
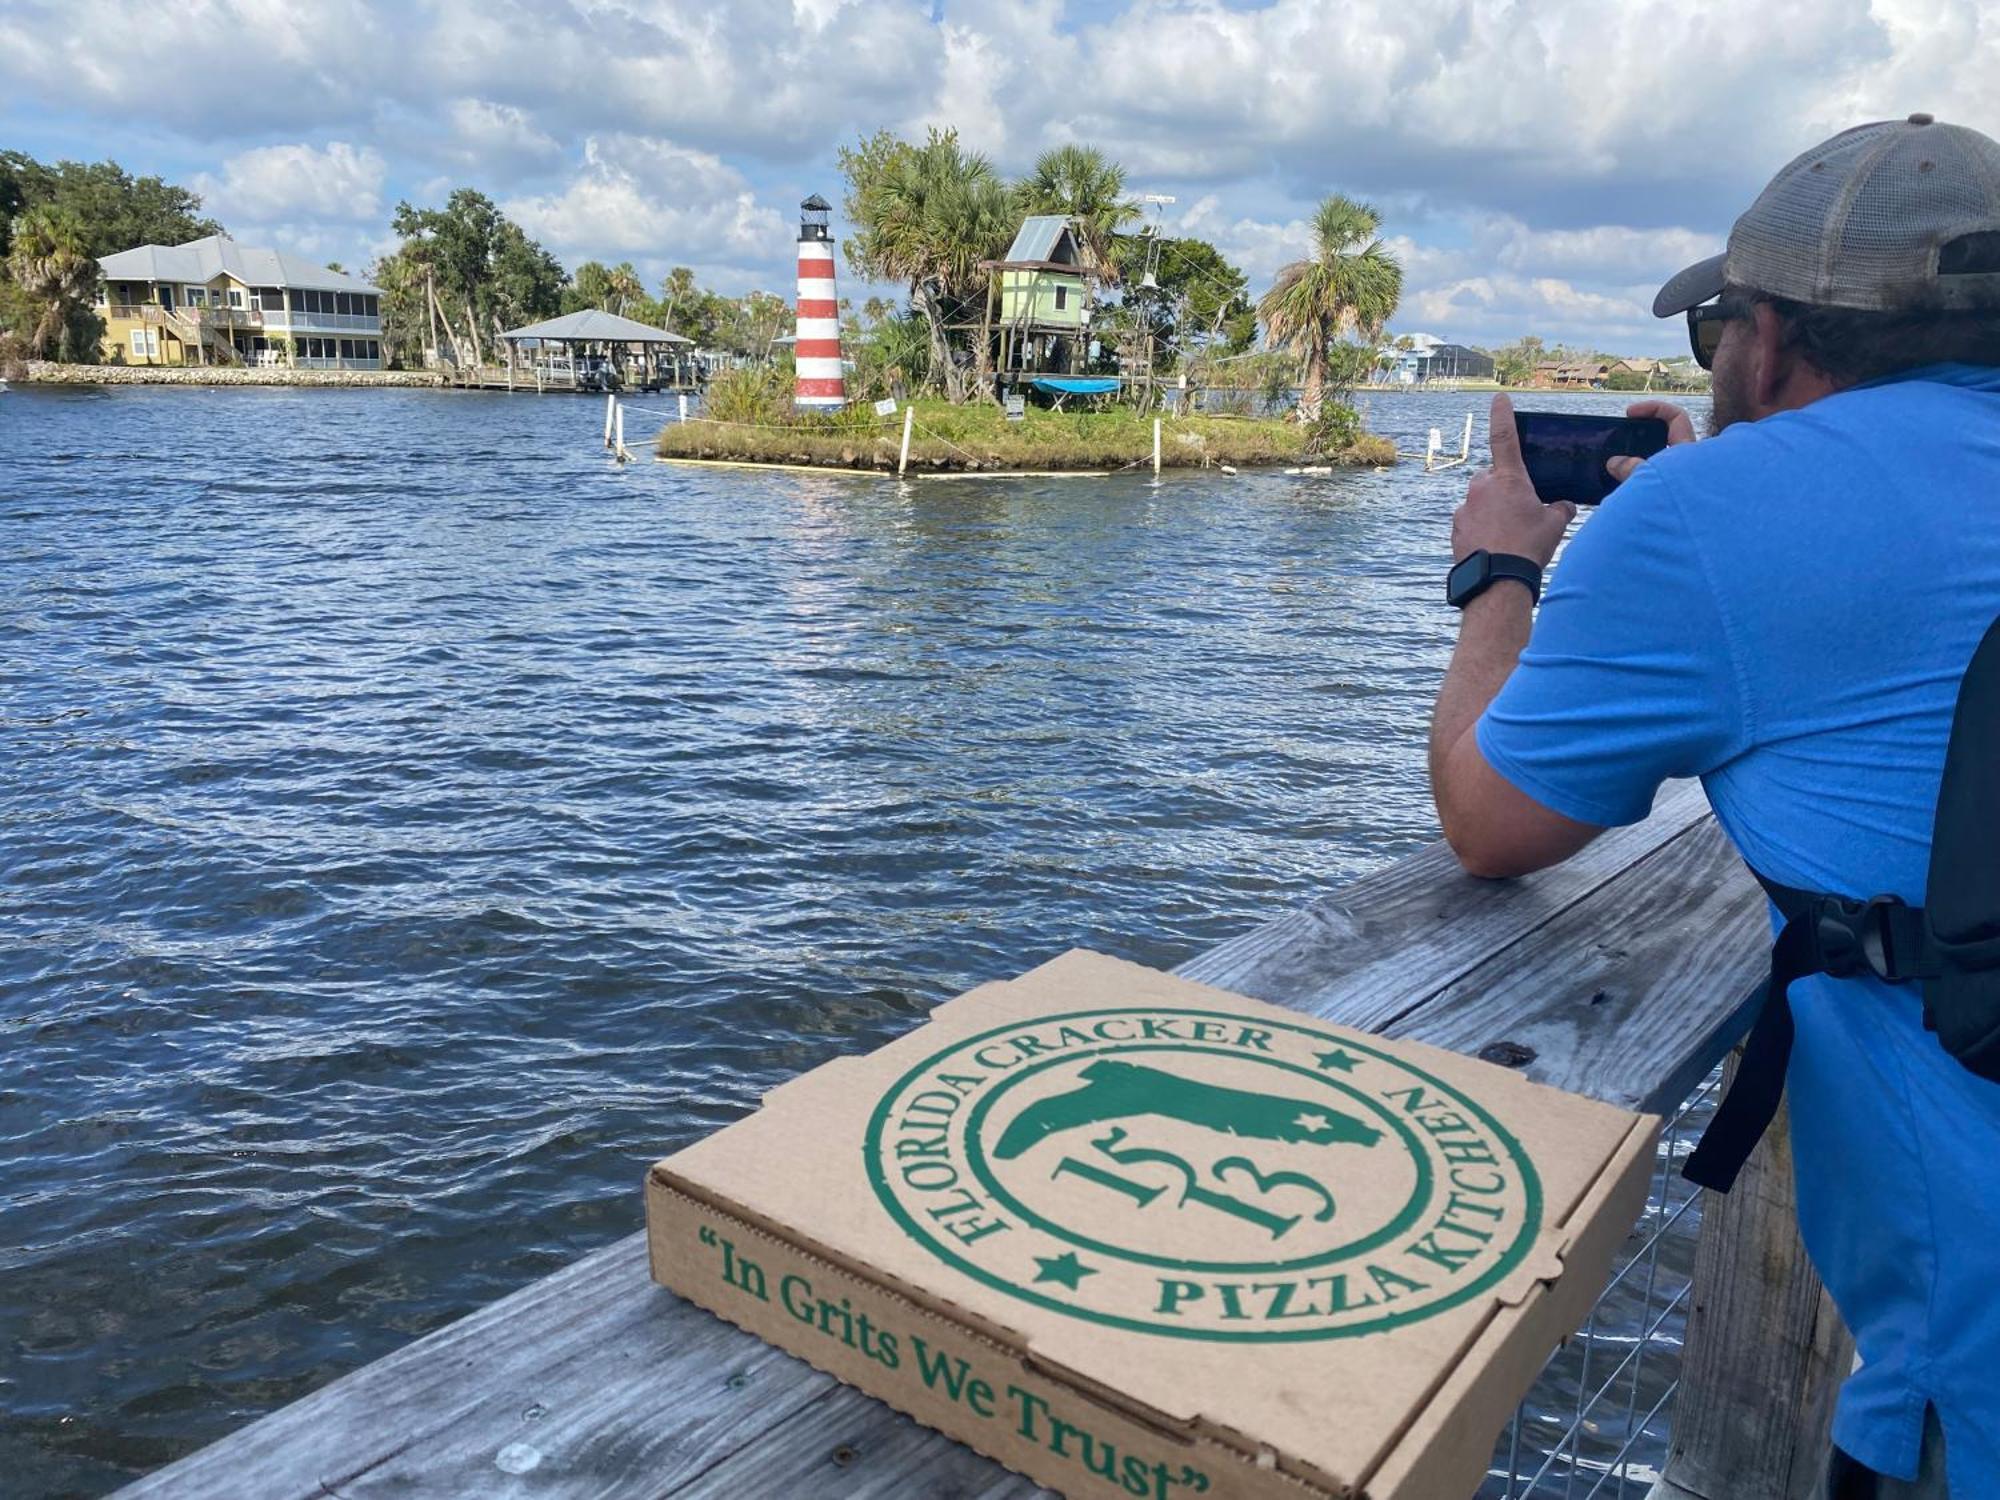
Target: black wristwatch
1482	569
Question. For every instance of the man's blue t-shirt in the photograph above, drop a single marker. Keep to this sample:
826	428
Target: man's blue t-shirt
1786	611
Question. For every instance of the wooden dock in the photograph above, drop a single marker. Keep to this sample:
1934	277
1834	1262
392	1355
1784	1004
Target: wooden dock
1623	975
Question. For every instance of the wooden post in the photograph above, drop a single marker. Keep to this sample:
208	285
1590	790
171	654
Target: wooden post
1465	440
1156	448
903	458
684	405
619	407
1431	452
1765	1352
610	416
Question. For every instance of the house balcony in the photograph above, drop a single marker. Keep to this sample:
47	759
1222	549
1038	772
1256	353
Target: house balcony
186	319
315	322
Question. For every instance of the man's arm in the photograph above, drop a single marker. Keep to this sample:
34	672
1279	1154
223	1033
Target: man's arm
1617	705
1494	828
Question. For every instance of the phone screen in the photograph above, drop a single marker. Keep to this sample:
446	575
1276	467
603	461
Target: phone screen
1565	454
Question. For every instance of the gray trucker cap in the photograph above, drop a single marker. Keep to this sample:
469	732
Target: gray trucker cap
1860	221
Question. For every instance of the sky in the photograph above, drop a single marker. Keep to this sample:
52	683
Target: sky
1540	165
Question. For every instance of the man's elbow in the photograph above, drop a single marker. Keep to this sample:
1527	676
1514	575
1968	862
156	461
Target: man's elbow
1481	856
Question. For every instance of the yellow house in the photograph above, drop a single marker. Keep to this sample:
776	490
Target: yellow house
215	302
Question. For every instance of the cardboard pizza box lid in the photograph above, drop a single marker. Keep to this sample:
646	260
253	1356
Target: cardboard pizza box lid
1295	1257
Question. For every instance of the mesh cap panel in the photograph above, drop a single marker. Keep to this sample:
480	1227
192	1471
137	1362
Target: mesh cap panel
1857	221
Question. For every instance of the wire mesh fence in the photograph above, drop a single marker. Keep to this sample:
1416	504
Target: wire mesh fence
1596	1423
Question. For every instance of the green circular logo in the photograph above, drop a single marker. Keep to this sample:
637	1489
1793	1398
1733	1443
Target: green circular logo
1203	1175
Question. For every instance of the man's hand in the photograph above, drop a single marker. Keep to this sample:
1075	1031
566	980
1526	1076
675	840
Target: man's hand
1680	429
1501	512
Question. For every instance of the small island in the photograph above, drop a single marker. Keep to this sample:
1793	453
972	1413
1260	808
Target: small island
979	437
1051	327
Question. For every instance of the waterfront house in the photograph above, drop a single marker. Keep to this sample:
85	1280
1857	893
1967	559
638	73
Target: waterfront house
215	302
1582	374
1418	357
1040	297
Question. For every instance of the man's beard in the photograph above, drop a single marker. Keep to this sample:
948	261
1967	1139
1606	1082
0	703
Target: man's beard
1729	403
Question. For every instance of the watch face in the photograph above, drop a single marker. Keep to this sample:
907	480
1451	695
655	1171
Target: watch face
1466	576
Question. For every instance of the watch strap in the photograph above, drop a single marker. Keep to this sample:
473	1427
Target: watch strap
1488	568
1512	565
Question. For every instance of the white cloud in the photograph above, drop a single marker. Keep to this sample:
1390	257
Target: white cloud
1513	147
657	203
499	136
342	183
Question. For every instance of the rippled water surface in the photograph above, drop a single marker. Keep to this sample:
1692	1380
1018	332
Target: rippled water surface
411	824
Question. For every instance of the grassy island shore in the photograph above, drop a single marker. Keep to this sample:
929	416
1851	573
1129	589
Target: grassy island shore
978	436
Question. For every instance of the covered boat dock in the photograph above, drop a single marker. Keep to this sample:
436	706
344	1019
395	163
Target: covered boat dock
596	350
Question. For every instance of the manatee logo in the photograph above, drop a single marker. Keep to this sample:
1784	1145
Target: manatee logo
1201	1175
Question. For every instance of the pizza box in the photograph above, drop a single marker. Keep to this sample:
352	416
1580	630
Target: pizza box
1132	1235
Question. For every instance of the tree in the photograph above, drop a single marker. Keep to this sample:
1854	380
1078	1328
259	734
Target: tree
409	326
1082	184
1517	361
112	209
676	292
1351	283
1201	300
589	286
477	269
54	278
928	216
626	289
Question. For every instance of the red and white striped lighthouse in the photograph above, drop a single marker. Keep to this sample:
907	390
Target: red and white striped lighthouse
818	350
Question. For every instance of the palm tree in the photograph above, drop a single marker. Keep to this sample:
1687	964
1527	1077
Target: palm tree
1350	283
624	286
50	262
1084	185
929	215
677	288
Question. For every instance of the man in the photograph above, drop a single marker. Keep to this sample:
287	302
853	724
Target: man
1786	610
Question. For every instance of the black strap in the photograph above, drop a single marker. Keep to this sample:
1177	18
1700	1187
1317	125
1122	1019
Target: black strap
1822	935
1952	947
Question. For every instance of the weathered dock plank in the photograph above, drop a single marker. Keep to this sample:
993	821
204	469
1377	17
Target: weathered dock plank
1632	997
591	1366
594	1383
1384	944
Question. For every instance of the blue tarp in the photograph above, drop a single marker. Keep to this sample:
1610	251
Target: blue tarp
1075	385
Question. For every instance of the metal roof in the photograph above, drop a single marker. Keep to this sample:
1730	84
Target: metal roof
594	325
1038	237
205	259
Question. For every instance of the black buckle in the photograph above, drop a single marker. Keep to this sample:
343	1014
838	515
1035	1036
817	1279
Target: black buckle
1857	936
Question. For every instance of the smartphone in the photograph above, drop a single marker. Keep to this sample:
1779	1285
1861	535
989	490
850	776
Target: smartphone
1565	454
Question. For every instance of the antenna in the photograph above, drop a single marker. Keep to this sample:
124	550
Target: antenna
1150	282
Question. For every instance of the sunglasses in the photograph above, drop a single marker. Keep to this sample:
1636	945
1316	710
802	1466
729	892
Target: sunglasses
1706	324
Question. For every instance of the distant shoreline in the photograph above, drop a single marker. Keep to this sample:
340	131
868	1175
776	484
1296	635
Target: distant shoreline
42	372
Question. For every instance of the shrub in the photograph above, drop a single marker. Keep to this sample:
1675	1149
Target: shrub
753	394
1336	429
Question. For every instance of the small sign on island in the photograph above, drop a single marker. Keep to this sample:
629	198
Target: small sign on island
1126	1233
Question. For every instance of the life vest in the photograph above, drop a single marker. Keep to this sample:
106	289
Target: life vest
1949	946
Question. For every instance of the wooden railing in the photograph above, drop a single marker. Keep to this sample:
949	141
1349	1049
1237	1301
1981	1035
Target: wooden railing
1623	974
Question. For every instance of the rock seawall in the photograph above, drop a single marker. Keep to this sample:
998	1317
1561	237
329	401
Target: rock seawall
42	372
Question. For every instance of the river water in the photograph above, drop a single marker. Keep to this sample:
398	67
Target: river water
411	824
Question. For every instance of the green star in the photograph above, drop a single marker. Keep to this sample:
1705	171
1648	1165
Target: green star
1344	1061
1065	1268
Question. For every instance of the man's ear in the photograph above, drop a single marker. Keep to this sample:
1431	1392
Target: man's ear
1770	361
